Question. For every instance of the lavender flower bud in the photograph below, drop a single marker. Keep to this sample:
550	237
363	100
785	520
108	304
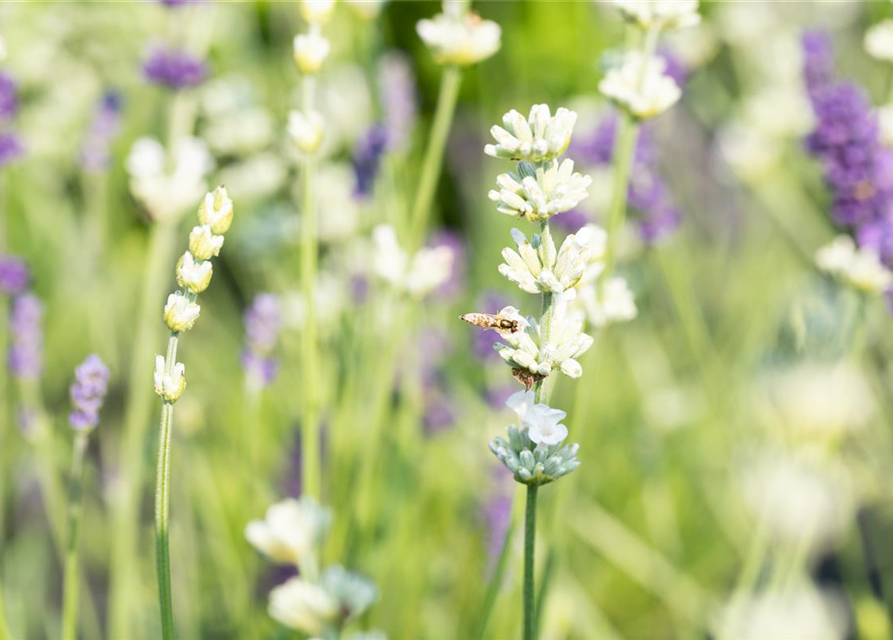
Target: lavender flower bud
263	321
180	313
203	244
88	391
9	98
169	386
25	351
105	126
194	275
174	68
13	275
216	211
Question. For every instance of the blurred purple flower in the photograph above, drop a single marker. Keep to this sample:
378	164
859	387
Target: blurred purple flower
858	169
497	515
482	341
367	158
455	284
11	148
648	195
13	275
25	350
173	4
174	68
497	396
263	321
359	287
571	221
9	97
105	126
674	68
91	382
439	412
399	97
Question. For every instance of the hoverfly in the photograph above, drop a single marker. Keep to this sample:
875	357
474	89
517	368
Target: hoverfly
527	378
497	322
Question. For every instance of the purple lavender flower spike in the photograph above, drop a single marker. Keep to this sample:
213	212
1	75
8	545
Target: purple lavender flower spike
105	126
263	321
174	68
11	148
367	158
91	382
858	169
25	350
9	97
13	275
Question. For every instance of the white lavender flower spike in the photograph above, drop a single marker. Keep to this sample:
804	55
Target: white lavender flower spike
613	302
860	268
194	275
459	38
317	12
169	387
538	193
203	244
879	41
417	276
310	51
659	14
538	138
216	210
291	530
303	606
640	86
536	267
180	313
306	130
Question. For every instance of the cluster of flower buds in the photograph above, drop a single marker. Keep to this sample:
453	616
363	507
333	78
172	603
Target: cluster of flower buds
458	36
194	271
538	193
534	451
536	267
91	382
306	126
318	605
639	84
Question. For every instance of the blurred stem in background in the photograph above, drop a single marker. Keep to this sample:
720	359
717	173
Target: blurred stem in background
310	424
433	161
624	150
75	508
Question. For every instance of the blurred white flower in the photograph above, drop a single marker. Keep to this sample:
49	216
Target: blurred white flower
306	130
310	51
291	530
338	211
317	12
537	268
538	193
659	14
528	350
543	425
180	313
800	496
366	9
611	303
428	269
257	176
2	49
303	606
640	86
166	191
203	244
195	276
348	105
879	41
802	614
538	138
750	151
885	122
462	39
169	386
859	267
240	132
216	210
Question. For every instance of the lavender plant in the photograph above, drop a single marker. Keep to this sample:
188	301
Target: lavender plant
194	271
87	396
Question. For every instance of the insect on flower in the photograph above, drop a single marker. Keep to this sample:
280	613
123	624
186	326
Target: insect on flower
527	378
508	320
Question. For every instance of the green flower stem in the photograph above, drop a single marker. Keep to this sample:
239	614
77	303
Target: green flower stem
162	503
529	548
125	508
4	627
75	508
433	161
310	459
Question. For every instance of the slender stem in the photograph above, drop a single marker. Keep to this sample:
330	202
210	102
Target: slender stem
162	503
529	548
311	471
4	627
431	165
75	507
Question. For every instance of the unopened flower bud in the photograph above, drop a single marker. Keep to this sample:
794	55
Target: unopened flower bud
169	386
317	12
310	51
194	275
216	211
180	313
203	244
